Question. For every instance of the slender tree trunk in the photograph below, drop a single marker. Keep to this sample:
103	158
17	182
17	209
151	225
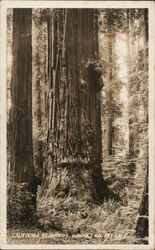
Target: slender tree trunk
9	68
146	83
142	226
132	100
21	95
145	41
134	103
109	120
74	125
143	219
131	152
39	89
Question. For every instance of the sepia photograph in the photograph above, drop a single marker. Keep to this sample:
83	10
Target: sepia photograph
77	121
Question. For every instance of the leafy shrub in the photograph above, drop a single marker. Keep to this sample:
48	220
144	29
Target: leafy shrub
20	204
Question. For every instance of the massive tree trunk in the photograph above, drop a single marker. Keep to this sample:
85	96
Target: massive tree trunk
74	121
21	94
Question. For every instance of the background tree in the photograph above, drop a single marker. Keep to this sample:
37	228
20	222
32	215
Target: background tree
21	95
22	184
111	24
9	68
133	88
143	220
39	88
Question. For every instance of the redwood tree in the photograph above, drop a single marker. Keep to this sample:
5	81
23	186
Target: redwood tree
110	118
132	89
74	121
39	88
20	139
142	227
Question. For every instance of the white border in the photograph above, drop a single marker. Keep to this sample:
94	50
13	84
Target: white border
152	124
3	159
76	4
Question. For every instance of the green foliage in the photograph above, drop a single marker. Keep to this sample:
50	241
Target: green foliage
20	204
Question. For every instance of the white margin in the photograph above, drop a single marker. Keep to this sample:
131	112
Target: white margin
77	4
3	123
151	125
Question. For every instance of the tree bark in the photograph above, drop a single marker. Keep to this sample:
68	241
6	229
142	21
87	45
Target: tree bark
145	40
131	152
133	106
109	120
39	90
21	95
142	228
74	121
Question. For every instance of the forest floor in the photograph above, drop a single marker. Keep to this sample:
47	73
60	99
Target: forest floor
109	223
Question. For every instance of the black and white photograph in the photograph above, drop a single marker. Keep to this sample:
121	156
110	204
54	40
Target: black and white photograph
79	149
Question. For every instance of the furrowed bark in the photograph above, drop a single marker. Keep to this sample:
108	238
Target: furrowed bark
74	132
21	95
142	227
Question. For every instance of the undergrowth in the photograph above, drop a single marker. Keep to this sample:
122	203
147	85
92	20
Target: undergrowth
20	204
114	222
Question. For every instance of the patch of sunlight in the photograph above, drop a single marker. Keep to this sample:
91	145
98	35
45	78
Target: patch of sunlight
124	95
121	50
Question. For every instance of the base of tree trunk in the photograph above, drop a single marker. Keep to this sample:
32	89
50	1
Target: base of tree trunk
142	226
143	221
73	189
77	181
